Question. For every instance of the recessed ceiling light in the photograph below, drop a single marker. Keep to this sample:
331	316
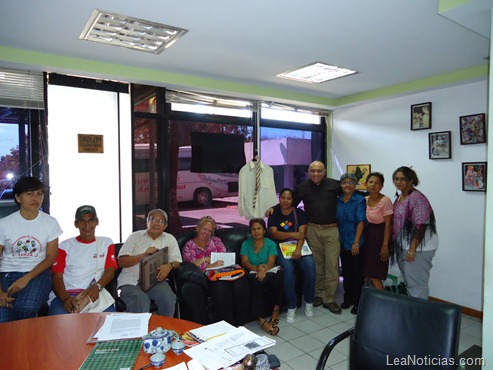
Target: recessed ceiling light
128	32
316	73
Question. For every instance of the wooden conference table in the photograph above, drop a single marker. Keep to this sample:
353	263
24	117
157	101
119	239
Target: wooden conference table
60	342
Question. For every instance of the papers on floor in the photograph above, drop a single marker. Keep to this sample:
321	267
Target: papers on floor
211	331
228	348
229	259
123	326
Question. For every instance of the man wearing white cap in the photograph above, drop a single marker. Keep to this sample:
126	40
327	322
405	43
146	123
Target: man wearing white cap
138	245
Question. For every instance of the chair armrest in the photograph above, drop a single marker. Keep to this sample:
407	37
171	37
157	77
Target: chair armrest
330	346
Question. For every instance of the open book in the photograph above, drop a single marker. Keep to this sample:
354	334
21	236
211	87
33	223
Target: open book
229	259
288	247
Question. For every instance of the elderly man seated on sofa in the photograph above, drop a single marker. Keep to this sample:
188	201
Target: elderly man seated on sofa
138	245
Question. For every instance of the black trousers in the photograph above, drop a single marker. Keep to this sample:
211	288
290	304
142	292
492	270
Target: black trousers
231	300
352	272
266	293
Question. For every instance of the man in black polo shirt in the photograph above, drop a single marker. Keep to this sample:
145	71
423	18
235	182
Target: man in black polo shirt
319	195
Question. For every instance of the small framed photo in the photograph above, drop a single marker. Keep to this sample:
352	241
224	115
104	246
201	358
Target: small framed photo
361	171
421	116
474	176
473	129
440	145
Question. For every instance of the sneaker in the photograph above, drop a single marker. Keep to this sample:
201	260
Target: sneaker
309	309
291	315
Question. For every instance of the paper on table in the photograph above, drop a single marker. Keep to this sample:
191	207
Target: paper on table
194	364
180	366
210	331
124	326
228	348
229	259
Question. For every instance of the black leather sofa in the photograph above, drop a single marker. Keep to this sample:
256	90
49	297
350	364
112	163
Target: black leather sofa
232	239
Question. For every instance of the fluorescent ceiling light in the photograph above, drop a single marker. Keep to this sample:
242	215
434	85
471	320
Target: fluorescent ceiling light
316	73
128	32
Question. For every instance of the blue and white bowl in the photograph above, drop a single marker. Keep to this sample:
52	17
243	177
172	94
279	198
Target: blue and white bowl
157	359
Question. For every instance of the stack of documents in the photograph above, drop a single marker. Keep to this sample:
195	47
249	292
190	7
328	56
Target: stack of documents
228	348
208	332
121	326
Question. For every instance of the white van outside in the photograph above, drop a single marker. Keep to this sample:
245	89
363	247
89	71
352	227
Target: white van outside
191	186
202	187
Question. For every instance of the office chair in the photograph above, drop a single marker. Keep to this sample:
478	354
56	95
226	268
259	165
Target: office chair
394	330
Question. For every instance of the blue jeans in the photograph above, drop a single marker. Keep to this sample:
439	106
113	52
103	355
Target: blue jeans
56	307
29	300
289	266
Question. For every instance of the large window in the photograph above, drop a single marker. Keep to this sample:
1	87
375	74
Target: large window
80	175
20	143
189	148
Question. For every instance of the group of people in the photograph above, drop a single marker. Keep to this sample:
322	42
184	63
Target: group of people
365	232
35	268
371	231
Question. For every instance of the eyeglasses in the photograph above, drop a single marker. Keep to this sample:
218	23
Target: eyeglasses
156	220
397	179
316	171
348	183
210	218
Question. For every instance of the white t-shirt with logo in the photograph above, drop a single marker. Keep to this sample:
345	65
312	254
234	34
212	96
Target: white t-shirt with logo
83	263
24	241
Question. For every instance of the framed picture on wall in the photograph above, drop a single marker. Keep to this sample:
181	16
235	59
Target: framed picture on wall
473	129
360	171
421	116
440	145
474	176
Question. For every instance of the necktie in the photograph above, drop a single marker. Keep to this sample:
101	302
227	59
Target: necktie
257	183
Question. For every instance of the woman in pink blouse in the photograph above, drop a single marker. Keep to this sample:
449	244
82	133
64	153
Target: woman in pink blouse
379	212
230	298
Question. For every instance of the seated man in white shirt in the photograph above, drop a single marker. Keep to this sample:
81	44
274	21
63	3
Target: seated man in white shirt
138	245
86	263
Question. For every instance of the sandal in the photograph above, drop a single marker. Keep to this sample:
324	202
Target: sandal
274	321
268	327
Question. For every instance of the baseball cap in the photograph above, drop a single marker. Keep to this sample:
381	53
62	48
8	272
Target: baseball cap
348	175
84	209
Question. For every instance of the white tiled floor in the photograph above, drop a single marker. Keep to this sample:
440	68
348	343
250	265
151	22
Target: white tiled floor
299	345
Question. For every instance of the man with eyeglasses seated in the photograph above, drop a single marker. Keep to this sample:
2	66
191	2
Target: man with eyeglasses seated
139	245
84	266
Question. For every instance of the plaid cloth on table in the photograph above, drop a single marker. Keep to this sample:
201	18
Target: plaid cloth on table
113	355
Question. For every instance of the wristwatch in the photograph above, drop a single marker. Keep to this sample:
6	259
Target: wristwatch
100	287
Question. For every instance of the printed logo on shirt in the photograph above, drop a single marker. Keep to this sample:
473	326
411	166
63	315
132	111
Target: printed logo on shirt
26	246
286	225
95	255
